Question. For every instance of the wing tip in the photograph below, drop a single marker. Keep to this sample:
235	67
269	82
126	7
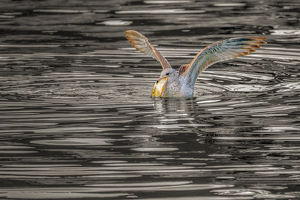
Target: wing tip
257	41
130	31
134	34
260	40
134	37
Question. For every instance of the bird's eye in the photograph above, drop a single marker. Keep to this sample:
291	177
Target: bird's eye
168	74
157	81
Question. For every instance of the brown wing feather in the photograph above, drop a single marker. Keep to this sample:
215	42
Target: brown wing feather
220	51
141	43
183	68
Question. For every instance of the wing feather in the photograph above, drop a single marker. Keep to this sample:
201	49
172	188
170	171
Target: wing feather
221	51
142	44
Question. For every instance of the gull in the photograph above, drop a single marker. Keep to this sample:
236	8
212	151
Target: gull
181	84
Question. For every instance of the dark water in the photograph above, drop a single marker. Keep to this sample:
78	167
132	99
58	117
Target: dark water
77	120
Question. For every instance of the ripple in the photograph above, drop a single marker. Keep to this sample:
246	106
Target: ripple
182	186
247	88
73	141
168	2
157	11
17	152
178	126
201	198
154	149
156	184
284	138
65	11
116	23
254	193
56	193
229	4
285	32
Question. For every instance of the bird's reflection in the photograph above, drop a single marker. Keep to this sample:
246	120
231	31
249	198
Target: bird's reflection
176	114
167	106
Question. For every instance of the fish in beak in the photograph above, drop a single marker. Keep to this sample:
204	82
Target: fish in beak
159	87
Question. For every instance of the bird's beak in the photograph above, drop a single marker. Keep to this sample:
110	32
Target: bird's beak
159	87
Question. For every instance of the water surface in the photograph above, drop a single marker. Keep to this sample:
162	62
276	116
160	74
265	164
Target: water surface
78	121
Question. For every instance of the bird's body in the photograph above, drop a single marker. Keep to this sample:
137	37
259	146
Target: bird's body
172	86
181	84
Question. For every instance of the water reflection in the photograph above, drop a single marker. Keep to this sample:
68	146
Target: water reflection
77	120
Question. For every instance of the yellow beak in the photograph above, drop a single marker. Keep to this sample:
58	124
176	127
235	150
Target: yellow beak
159	87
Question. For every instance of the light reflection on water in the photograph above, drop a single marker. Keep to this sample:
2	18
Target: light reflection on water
78	121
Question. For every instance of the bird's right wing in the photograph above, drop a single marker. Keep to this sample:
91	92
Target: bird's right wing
220	51
141	43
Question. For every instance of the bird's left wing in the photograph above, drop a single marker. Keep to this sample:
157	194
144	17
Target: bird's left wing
141	43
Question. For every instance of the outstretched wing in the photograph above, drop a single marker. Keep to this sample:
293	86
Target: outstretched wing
220	51
141	43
